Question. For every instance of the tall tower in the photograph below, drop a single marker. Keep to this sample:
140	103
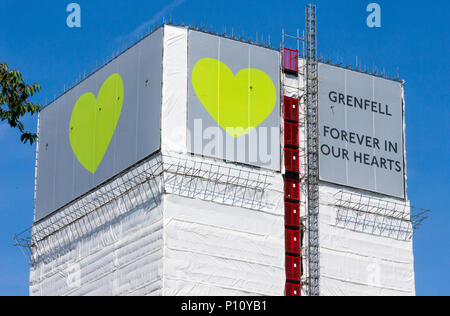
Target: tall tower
199	164
160	174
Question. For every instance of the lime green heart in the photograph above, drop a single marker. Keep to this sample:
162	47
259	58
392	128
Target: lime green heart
94	121
237	103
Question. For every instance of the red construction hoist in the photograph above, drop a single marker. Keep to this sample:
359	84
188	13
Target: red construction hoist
293	227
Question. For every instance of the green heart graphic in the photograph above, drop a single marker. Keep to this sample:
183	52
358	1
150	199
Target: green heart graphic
238	103
94	121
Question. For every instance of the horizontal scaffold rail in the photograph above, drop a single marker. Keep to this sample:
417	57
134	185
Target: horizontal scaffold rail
363	213
144	183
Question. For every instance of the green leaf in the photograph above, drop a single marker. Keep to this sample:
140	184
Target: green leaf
14	93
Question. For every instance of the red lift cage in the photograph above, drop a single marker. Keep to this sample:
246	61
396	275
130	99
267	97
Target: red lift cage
292	241
291	109
291	134
291	189
292	214
293	268
293	233
293	289
290	60
291	160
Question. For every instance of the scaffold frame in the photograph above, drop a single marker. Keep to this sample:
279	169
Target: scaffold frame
312	132
145	183
380	217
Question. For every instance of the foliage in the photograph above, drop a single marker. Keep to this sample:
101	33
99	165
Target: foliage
14	104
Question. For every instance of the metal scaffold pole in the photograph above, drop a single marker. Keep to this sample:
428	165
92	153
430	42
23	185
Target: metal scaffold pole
312	150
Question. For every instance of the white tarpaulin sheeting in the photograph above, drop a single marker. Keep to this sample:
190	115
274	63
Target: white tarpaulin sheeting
122	257
358	262
218	247
178	247
174	96
217	229
368	255
199	243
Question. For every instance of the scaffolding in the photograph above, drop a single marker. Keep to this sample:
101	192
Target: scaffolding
220	183
307	93
312	134
143	185
294	232
136	186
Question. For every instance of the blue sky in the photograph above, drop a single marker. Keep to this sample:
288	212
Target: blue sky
414	38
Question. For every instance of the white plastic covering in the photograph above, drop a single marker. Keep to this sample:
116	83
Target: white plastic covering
219	230
358	262
213	232
103	254
174	96
223	235
213	249
364	261
180	245
292	86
